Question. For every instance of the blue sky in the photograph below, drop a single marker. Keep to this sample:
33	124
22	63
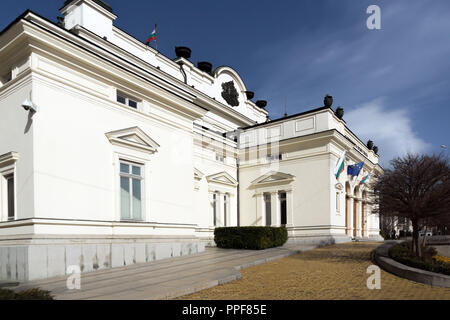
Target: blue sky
393	83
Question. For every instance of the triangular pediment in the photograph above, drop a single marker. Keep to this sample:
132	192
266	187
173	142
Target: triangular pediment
222	178
134	138
198	175
274	177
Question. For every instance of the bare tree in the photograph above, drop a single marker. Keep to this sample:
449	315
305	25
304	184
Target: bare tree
418	188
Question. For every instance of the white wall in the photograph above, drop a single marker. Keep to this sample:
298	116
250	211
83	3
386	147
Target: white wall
205	162
311	203
76	177
17	135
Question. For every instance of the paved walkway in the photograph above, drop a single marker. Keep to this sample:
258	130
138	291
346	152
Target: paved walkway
165	279
337	272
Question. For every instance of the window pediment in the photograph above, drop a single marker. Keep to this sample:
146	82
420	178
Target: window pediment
198	175
273	177
222	178
134	138
8	158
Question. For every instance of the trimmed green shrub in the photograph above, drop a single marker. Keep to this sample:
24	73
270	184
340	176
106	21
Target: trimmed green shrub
31	294
253	238
402	253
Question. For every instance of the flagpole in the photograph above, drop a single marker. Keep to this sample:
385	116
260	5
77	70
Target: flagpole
156	34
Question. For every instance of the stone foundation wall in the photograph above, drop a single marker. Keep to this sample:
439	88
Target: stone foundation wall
36	261
319	240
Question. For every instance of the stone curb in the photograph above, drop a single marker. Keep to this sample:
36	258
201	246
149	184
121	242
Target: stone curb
381	257
8	284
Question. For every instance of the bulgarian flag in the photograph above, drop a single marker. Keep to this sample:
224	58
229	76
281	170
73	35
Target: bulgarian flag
340	165
366	178
152	37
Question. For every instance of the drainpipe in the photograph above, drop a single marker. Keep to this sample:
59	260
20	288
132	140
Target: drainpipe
237	136
234	135
183	72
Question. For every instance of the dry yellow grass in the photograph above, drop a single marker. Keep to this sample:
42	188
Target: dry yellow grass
334	272
442	259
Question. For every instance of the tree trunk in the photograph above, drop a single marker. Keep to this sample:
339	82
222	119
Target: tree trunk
424	237
415	245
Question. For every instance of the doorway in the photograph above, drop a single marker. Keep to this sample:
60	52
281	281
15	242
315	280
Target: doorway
268	207
283	208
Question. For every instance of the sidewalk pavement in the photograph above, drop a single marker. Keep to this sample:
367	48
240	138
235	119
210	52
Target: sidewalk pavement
165	279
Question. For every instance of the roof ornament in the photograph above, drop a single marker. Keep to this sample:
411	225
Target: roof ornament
205	66
230	94
183	52
339	113
250	95
328	101
261	103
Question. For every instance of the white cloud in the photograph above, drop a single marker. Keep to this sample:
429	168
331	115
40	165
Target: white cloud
391	130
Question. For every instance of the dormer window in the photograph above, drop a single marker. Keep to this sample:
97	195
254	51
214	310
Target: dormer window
127	100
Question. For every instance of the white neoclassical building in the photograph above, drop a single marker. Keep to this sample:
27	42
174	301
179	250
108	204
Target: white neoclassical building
112	153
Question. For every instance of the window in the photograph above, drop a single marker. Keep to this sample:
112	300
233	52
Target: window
10	196
268	205
130	191
8	179
220	157
283	208
275	157
127	100
338	201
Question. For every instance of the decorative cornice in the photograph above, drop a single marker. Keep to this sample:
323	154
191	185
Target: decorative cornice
8	158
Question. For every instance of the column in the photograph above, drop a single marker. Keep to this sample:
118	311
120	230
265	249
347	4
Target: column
358	217
350	215
363	219
219	209
211	207
232	210
276	219
290	208
260	217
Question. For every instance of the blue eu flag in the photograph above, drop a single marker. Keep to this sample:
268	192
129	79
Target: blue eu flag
355	169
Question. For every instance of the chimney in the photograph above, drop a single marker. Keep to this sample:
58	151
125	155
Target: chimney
93	15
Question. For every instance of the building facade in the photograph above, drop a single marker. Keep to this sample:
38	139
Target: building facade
113	154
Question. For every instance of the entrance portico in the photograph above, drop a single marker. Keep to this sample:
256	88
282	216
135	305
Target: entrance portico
357	210
273	194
